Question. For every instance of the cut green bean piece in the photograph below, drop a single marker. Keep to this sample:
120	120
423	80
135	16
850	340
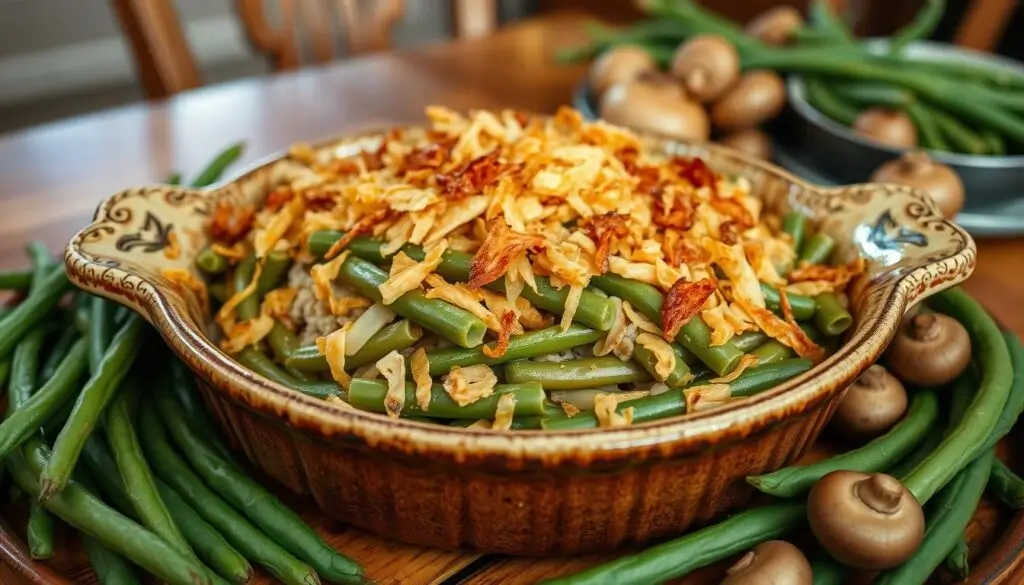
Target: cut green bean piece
249	307
212	263
831	316
817	249
749	341
794	223
281	341
803	306
394	337
527	345
254	359
576	374
680	373
370	394
771	352
275	268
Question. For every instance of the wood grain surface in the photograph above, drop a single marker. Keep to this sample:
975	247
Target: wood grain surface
52	177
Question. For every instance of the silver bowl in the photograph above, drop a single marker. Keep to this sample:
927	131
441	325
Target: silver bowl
848	157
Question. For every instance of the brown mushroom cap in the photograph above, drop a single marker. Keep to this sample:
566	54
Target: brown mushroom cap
888	127
866	521
917	169
871	405
930	349
758	96
775	562
648	108
752	141
619	65
707	65
775	26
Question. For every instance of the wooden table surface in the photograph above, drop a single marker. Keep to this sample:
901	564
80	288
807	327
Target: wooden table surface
52	176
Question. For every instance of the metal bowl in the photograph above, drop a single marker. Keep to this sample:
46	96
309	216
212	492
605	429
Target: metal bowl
848	157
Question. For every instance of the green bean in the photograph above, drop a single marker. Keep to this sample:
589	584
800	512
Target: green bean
772	352
101	322
527	345
173	179
794	223
1006	485
673	402
40	532
369	395
682	555
281	341
928	131
827	571
135	472
219	291
817	249
216	168
949	516
576	374
211	263
968	440
750	340
994	142
275	268
875	456
450	322
679	375
60	350
25	421
961	138
1015	403
89	405
208	543
594	310
257	361
240	532
32	310
922	27
249	307
5	372
182	384
394	337
99	463
255	502
957	561
825	101
908	463
110	567
695	335
15	279
831	316
822	17
82	312
875	94
803	306
78	507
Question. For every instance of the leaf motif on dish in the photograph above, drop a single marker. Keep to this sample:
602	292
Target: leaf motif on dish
886	234
153	237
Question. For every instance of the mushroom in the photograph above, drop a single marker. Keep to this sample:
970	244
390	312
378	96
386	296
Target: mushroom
663	82
888	127
707	65
648	108
930	349
752	141
775	26
619	65
871	405
866	521
756	97
775	562
917	169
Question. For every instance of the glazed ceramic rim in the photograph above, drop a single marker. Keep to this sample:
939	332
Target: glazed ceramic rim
656	438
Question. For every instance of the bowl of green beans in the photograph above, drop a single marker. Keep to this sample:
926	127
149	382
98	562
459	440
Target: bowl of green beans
523	441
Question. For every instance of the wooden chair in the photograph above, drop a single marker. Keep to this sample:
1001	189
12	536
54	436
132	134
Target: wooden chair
984	23
166	65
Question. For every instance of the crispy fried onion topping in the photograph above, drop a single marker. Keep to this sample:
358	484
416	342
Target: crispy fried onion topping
682	302
707	396
473	177
469	384
406	277
463	297
504	412
361	227
620	336
837	276
664	355
392	367
606	411
421	376
500	249
640	320
230	222
508	323
333	347
605	230
745	362
785	330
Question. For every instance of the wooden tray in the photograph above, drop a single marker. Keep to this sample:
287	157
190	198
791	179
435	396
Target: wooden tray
995	536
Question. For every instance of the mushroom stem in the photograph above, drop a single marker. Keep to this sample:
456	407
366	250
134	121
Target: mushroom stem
916	162
873	378
924	327
743	564
880	492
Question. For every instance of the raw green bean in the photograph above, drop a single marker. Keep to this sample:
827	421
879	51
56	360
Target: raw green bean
60	350
957	560
576	374
527	345
135	472
695	335
99	463
822	17
679	375
24	422
749	341
249	307
928	132
1006	485
82	313
1015	403
949	517
772	352
803	306
275	268
450	322
908	463
259	505
817	249
831	316
110	567
673	402
5	372
794	223
922	27
89	405
15	279
39	532
173	179
183	385
960	137
257	361
968	440
874	94
682	555
875	456
827	571
248	539
101	323
32	310
994	142
825	101
218	165
211	263
369	395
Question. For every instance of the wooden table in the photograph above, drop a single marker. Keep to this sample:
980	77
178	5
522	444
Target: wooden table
52	177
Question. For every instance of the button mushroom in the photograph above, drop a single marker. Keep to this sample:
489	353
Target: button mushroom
917	169
707	65
930	349
871	405
619	65
888	127
867	521
775	26
758	96
775	562
752	141
648	108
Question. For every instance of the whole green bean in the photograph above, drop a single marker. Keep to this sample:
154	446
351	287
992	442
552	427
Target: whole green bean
239	531
98	462
218	165
822	17
60	350
875	94
257	361
679	375
1006	485
101	323
958	560
673	402
908	463
817	249
249	307
182	384
771	352
576	374
794	223
946	523
968	440
994	142
1015	403
875	456
15	279
682	555
827	102
827	571
370	394
695	335
831	316
922	27
32	310
259	505
526	345
212	263
928	131
39	532
961	138
803	306
110	567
